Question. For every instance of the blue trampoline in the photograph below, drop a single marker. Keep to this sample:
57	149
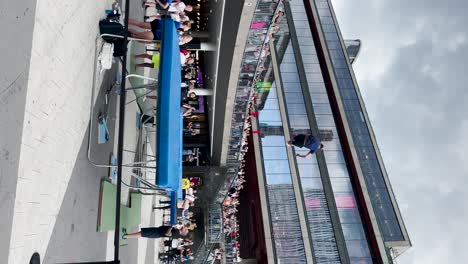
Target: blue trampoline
169	116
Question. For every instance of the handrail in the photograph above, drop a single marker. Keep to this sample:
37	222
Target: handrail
251	88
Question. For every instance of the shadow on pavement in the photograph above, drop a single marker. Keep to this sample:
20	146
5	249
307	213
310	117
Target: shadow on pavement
74	237
150	254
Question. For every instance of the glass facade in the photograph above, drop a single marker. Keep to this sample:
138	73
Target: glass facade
373	173
352	49
317	210
284	216
322	180
345	200
256	72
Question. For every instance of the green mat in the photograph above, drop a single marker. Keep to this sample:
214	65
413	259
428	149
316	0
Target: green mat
129	216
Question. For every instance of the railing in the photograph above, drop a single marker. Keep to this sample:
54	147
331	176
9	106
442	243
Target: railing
244	92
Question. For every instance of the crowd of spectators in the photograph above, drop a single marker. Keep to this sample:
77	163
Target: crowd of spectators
257	54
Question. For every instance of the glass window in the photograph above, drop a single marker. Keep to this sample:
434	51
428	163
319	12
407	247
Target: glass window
275	124
293	87
328	28
312	68
357	248
276	166
300	16
345	200
322	109
391	230
333	45
341	185
289	77
314	77
348	94
271	104
334	144
294	109
375	180
299	121
327	20
353	231
334	156
304	33
325	120
355	116
359	128
308	170
346	83
336	55
317	87
272	93
309	58
274	153
324	12
362	140
273	141
339	63
337	170
308	51
370	166
379	195
352	105
366	153
306	160
319	98
320	4
270	115
288	67
361	261
294	98
278	178
384	211
311	183
288	57
349	215
343	73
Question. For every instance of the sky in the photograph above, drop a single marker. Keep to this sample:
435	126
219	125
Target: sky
412	71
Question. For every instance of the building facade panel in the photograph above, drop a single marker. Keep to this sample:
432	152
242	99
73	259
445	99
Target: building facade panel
366	150
343	192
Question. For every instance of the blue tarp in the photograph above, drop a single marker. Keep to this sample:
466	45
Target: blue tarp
169	116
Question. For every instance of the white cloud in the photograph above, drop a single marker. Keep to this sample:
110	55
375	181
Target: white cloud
412	74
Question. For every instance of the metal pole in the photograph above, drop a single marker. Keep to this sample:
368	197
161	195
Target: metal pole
120	142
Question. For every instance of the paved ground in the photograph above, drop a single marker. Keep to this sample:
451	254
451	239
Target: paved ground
13	89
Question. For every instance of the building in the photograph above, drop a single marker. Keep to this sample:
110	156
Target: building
338	205
352	48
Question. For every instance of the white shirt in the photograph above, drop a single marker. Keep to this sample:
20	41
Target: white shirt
190	191
176	242
189	198
177	7
183	58
176	17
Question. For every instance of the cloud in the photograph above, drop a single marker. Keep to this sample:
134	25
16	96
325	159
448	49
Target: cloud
412	72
